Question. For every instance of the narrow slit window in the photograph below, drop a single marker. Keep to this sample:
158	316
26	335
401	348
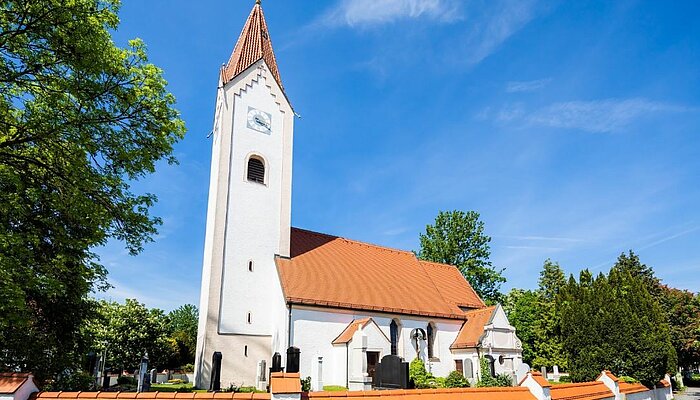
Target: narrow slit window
245	350
250	266
250	318
256	170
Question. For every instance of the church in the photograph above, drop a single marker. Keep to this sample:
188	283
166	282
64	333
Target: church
345	304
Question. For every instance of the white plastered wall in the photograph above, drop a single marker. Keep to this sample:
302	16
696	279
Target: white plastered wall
245	221
314	329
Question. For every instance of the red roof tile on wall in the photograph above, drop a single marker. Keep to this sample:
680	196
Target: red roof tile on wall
510	393
628	388
331	271
581	391
147	395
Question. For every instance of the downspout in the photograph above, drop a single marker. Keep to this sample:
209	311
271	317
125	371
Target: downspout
289	327
478	364
347	365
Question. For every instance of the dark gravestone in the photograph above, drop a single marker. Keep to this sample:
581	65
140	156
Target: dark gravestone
105	379
276	363
391	373
215	384
154	375
293	354
91	363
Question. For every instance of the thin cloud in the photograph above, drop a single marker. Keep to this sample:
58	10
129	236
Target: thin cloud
526	86
499	21
354	13
602	116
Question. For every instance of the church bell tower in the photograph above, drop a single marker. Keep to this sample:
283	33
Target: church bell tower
242	309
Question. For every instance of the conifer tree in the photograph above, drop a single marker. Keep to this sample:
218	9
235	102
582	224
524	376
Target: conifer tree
613	322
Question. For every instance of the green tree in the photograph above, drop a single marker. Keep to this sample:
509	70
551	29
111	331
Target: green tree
457	238
535	318
613	322
683	311
522	308
80	118
182	325
127	331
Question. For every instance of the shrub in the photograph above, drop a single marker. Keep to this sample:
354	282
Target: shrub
126	380
306	384
627	379
504	380
187	368
456	380
421	378
72	382
565	379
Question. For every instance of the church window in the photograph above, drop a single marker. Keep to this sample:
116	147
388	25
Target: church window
256	170
250	265
431	339
394	335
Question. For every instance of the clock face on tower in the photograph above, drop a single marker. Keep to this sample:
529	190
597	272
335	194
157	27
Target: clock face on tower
259	120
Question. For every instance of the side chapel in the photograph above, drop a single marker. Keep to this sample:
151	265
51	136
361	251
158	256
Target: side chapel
345	304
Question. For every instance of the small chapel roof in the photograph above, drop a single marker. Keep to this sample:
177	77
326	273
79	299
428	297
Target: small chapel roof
350	330
331	271
473	328
253	44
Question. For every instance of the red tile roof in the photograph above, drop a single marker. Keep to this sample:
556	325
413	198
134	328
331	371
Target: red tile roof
628	388
331	271
509	393
581	391
350	330
470	334
609	375
253	44
537	376
147	395
11	381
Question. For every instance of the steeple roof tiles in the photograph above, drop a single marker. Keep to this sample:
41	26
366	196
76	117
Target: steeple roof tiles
253	44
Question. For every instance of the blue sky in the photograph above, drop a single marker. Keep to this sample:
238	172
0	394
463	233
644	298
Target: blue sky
572	127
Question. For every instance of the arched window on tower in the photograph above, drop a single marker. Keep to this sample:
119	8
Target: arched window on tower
256	170
430	333
394	336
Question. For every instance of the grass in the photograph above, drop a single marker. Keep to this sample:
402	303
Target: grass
334	388
177	387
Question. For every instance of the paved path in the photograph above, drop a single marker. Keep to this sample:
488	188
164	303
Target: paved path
691	393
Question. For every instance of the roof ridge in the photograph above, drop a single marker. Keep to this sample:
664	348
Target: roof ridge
359	242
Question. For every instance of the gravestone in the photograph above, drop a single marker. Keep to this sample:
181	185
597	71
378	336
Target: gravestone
154	375
391	373
468	368
276	363
293	355
544	372
215	384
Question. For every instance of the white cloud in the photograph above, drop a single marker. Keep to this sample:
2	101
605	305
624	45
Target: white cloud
605	116
526	86
373	12
500	20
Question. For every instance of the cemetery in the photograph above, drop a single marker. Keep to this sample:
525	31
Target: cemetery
287	313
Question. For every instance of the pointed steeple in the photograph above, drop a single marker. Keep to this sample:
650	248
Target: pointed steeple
253	44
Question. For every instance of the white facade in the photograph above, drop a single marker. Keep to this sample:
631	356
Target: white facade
242	310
